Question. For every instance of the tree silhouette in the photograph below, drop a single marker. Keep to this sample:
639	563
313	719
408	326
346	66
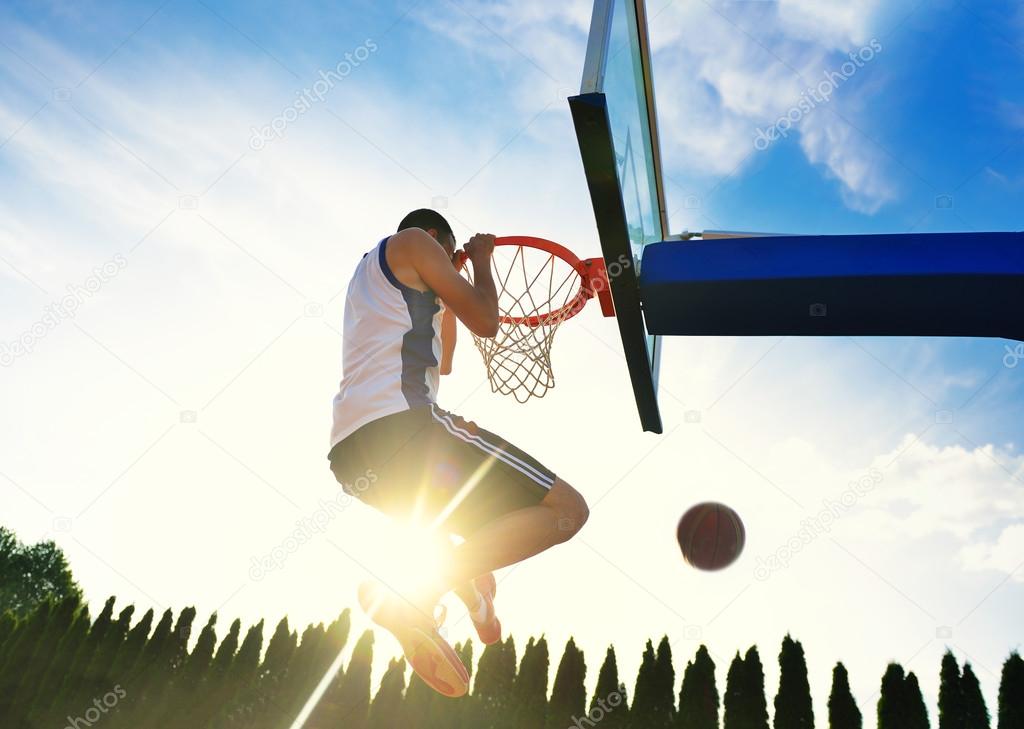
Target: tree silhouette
353	700
609	703
793	708
568	697
1011	693
951	698
842	709
530	690
386	708
698	695
975	712
891	700
735	692
30	575
916	711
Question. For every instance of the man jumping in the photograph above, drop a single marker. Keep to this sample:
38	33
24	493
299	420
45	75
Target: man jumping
396	450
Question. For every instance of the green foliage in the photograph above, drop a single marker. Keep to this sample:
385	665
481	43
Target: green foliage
698	694
745	704
916	712
31	575
793	708
57	663
1011	693
530	690
568	697
842	709
609	704
951	696
975	712
890	700
385	710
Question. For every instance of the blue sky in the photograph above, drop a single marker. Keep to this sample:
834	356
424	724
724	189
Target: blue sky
171	428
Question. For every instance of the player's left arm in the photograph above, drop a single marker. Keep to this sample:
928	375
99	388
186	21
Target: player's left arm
448	336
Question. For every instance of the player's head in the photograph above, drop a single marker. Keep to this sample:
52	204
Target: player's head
432	222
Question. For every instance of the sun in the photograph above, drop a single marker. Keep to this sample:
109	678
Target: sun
411	564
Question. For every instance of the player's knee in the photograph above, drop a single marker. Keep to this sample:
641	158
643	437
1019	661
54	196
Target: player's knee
572	509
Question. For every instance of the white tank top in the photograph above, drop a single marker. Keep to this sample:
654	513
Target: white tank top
391	346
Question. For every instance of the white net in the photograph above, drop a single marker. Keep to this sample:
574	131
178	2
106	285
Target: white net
537	291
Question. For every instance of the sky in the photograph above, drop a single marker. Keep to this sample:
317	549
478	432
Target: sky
181	205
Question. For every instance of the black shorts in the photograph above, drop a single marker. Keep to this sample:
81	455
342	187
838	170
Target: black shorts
433	465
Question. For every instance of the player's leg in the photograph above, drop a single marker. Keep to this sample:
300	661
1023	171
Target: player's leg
517	535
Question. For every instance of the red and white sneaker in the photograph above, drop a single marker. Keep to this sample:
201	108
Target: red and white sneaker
486	622
429	654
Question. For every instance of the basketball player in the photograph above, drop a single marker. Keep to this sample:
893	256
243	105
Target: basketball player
413	460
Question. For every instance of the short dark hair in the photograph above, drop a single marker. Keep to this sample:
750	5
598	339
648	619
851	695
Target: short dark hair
426	219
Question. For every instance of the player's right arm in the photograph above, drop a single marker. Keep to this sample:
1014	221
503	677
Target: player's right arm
475	304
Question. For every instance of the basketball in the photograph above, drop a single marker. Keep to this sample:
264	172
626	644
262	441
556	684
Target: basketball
711	536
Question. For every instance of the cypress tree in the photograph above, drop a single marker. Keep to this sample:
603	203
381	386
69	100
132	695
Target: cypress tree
698	694
27	637
317	650
172	659
568	696
217	687
793	709
891	700
492	686
1011	693
755	701
445	713
265	693
134	709
353	699
530	690
842	709
84	654
48	706
735	696
44	654
665	683
643	712
609	702
951	700
7	621
385	710
417	704
99	675
183	708
300	681
975	712
916	711
131	649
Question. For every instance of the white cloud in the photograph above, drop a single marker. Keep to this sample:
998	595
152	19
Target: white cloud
974	495
1005	555
838	25
858	165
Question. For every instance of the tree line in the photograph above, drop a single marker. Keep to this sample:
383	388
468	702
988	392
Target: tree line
60	667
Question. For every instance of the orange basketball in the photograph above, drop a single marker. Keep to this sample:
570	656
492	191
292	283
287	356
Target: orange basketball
711	536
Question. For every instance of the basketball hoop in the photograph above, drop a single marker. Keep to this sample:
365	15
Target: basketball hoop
540	285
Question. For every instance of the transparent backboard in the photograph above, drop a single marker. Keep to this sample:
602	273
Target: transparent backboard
617	77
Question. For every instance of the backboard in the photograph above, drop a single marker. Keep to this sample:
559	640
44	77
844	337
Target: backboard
616	126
